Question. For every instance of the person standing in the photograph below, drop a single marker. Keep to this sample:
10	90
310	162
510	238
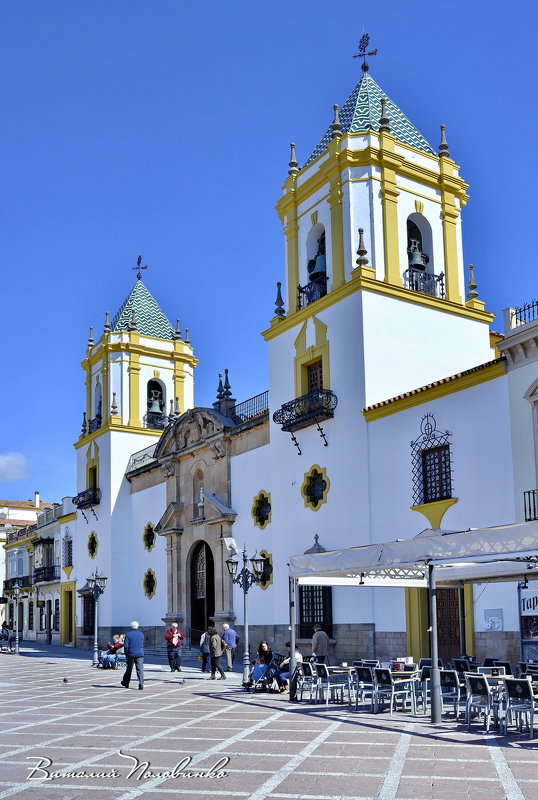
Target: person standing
215	649
174	638
134	655
320	644
230	639
204	649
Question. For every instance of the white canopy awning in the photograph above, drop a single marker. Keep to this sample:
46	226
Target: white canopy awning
505	552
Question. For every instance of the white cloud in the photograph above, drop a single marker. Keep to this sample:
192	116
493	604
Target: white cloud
13	466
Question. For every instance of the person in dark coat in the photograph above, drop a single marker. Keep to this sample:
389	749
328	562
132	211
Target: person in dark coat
215	648
134	655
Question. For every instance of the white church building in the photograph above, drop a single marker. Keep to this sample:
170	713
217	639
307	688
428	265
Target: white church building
392	407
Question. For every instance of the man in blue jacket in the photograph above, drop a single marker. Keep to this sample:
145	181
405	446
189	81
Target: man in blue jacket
134	655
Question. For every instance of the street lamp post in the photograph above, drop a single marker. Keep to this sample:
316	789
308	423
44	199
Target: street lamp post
96	583
16	599
245	578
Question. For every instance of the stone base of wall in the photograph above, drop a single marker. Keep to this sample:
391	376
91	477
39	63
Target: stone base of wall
506	645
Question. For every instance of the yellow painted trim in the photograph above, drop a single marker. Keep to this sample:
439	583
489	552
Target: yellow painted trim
68	571
379	287
149	527
468	611
304	356
134	390
147	573
291	233
417	622
115	428
178	351
337	220
64	622
24	541
496	370
265	584
92	461
494	339
434	512
389	204
68	517
307	476
449	216
261	494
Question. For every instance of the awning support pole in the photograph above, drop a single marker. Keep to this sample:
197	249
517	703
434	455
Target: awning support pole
293	664
435	677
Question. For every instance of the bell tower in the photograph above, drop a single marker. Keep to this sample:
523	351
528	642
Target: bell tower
372	224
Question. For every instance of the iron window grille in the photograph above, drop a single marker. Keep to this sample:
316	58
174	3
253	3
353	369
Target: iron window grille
431	463
56	618
262	509
315	488
315	607
30	615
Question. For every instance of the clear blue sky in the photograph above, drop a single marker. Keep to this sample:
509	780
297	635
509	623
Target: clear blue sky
164	128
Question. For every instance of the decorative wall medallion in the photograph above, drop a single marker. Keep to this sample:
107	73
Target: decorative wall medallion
315	487
93	544
261	510
150	583
149	537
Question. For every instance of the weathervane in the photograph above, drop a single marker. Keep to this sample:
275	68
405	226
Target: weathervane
363	45
138	267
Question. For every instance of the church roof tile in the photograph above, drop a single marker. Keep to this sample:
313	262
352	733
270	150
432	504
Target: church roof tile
150	318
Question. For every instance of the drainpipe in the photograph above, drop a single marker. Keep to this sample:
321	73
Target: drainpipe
435	675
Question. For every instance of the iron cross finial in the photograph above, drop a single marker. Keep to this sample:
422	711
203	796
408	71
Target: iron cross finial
363	48
138	267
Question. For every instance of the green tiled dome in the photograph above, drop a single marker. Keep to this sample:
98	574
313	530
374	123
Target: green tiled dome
361	113
150	319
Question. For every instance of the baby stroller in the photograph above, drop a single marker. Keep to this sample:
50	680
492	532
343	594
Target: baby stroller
259	680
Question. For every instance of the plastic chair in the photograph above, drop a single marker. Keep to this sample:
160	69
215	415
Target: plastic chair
450	689
480	698
520	701
307	680
386	686
364	685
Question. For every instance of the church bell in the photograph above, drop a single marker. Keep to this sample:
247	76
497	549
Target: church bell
155	407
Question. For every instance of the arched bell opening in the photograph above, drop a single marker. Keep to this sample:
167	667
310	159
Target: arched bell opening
316	267
202	583
419	243
156	404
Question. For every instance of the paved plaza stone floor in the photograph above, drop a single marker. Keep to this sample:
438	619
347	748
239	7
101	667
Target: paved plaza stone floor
239	745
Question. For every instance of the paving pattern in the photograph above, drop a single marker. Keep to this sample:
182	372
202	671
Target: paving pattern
194	739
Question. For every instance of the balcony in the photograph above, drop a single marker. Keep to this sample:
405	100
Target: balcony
311	292
424	282
307	410
23	581
43	574
87	498
530	502
155	421
95	423
256	406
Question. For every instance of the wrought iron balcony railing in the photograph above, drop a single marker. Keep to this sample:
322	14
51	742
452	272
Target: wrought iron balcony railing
24	581
141	458
254	407
311	292
42	574
156	421
306	410
530	502
424	282
87	498
95	423
524	314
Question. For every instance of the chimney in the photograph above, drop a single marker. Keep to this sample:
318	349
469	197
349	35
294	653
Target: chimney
36	500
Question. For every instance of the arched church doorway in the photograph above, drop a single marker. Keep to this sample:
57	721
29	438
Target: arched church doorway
202	587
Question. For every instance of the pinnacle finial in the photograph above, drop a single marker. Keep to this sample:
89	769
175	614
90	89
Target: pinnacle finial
220	389
443	147
472	286
176	408
227	386
106	327
384	122
132	324
84	424
90	337
186	339
279	303
294	164
114	406
336	127
362	261
177	332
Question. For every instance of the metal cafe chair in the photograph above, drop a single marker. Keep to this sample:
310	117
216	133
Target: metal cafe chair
507	667
480	698
387	687
492	671
364	686
333	685
307	681
490	662
451	690
520	701
427	662
423	685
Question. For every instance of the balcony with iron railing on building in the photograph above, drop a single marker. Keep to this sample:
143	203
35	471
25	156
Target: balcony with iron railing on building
306	410
23	581
89	497
516	317
530	504
46	574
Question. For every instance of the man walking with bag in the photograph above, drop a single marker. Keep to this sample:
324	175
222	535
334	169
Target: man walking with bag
174	638
133	647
